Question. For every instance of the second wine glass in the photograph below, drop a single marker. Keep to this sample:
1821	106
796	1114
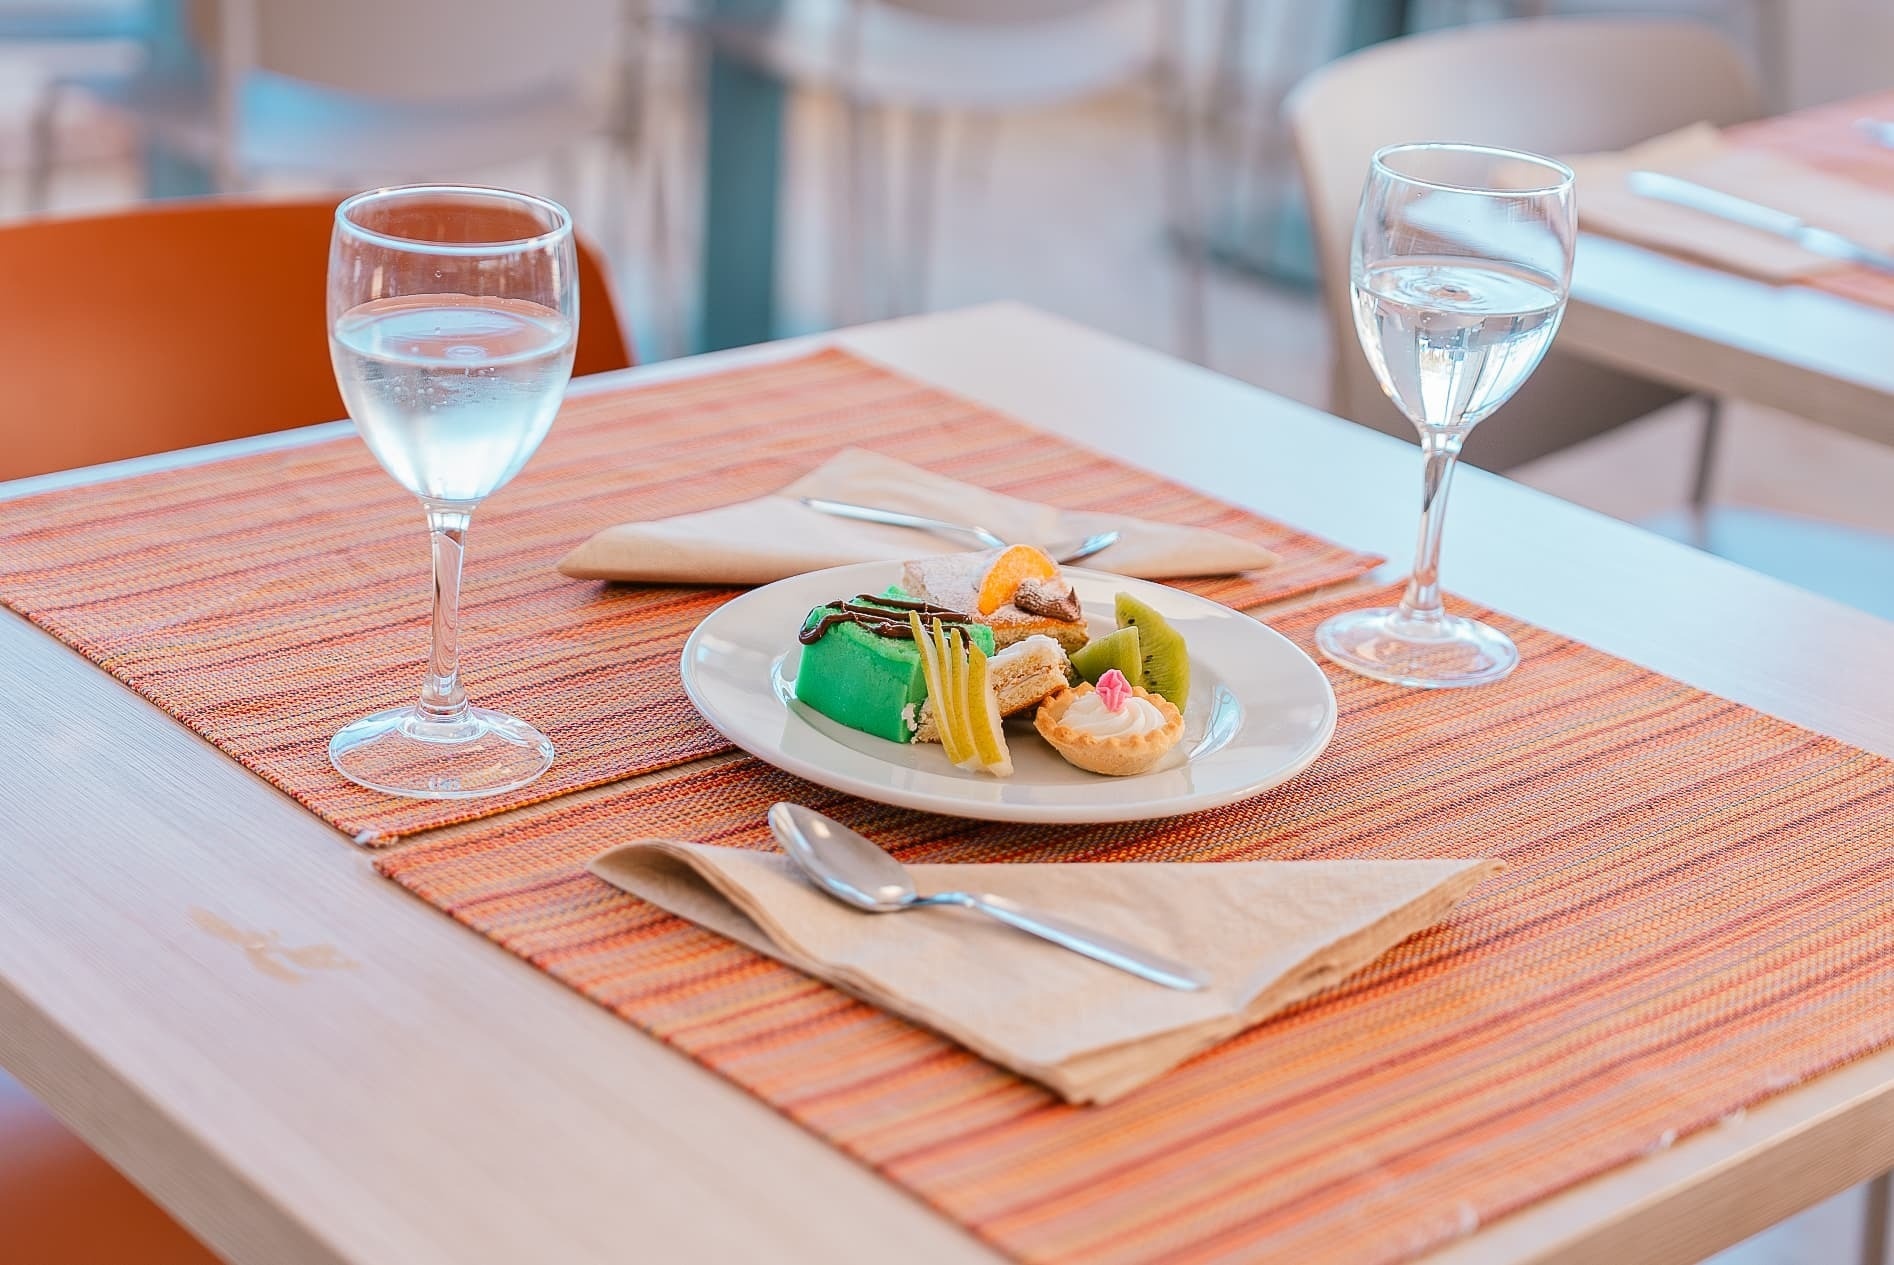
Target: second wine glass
1461	264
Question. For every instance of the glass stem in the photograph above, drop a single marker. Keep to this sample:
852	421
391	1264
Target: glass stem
1440	451
443	701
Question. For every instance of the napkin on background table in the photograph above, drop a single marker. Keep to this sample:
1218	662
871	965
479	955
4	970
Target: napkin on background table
1701	155
755	542
1269	932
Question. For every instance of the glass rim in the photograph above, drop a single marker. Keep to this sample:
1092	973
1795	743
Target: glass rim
1566	176
561	229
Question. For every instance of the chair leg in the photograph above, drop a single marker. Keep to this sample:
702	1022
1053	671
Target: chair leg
1177	141
1223	132
1874	1225
42	139
880	285
667	277
847	260
924	128
977	142
1703	473
862	287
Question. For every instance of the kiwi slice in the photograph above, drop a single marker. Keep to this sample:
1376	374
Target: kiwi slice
1113	650
1166	664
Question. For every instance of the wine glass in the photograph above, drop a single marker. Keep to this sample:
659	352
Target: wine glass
1461	264
452	316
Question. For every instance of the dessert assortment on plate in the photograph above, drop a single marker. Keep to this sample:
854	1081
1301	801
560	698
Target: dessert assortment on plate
966	640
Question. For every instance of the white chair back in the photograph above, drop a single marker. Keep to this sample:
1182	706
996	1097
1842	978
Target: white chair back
418	50
1550	85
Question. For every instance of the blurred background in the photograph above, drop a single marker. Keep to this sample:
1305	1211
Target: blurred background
758	168
761	168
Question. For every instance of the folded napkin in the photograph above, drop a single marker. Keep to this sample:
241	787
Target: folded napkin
1701	155
754	542
1269	934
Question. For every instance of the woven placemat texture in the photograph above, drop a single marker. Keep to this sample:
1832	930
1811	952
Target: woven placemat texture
1695	917
267	600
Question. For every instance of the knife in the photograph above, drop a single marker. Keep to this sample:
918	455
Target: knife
1880	131
1727	206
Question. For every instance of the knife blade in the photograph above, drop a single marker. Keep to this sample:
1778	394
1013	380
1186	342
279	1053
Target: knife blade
1727	206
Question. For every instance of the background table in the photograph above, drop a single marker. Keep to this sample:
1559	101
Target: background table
440	1101
1813	354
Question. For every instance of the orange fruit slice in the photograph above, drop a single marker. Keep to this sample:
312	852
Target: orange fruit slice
1002	579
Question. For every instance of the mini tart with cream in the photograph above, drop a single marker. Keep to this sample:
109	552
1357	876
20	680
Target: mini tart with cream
1114	728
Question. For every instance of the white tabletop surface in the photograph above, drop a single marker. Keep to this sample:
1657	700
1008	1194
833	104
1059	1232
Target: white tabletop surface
440	1101
1790	347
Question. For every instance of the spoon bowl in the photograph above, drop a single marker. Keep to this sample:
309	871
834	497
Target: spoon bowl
856	872
841	862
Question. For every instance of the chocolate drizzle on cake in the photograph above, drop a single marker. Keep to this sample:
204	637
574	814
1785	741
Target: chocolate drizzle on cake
1053	599
878	616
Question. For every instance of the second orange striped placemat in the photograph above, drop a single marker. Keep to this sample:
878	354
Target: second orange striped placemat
267	600
1695	917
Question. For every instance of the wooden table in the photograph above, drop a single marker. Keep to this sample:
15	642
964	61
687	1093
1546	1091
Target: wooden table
1812	354
441	1101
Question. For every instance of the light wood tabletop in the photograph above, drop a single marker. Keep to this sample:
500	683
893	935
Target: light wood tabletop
1809	353
437	1100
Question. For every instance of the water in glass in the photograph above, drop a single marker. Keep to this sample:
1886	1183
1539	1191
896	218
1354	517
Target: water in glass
1451	339
452	392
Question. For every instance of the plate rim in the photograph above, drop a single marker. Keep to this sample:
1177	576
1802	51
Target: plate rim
999	810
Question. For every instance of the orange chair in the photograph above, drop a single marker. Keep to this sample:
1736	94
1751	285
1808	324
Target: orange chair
59	1202
186	323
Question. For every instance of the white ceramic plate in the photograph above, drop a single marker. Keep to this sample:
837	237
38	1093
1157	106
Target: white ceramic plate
1260	711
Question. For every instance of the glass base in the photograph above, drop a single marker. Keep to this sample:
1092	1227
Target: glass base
1444	652
402	753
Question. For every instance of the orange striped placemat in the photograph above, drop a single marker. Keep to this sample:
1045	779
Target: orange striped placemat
1825	138
1695	917
267	600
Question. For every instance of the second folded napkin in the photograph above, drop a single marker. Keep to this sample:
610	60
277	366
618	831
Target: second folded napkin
1701	155
755	542
1268	932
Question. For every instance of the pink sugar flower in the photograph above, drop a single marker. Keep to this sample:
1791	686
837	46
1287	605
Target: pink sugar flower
1114	691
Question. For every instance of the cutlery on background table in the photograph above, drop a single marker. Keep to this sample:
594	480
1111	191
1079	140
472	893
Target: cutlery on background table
856	872
1727	206
1097	542
1880	131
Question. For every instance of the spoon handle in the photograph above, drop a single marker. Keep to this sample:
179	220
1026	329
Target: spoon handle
1093	944
895	518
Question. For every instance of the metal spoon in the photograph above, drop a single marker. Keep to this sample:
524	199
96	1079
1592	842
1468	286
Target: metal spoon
1097	542
1071	552
856	872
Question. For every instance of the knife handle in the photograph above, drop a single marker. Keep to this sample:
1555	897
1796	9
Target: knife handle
1725	206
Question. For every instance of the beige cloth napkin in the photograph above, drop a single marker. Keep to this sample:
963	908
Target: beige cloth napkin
755	542
1269	933
1701	155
